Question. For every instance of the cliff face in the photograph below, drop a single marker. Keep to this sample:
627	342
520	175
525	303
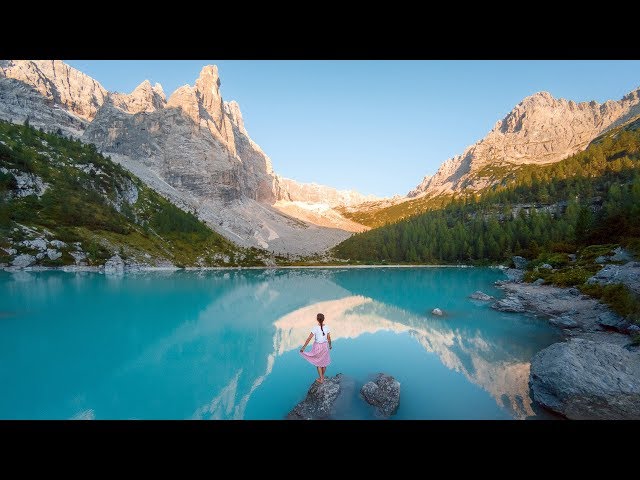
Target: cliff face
540	129
193	148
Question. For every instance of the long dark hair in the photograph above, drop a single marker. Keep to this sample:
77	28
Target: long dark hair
320	318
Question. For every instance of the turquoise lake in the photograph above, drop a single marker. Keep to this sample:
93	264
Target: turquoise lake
223	344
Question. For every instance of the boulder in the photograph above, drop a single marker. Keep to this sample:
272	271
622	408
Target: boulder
322	400
10	251
478	295
583	379
519	262
53	254
613	321
509	304
383	393
437	311
539	281
546	266
58	244
627	274
621	255
602	259
23	260
114	266
564	322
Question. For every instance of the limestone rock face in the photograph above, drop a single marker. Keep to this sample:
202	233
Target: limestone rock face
540	129
58	83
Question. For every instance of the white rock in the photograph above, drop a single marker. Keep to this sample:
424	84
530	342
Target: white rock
114	266
53	254
58	244
437	311
37	244
23	260
79	257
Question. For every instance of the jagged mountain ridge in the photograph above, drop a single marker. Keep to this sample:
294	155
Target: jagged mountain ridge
540	129
193	148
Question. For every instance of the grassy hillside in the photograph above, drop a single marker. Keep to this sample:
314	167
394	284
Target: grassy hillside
592	197
54	188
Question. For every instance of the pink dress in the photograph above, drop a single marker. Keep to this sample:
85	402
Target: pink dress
319	354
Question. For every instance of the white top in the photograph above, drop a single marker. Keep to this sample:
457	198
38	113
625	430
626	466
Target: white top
318	333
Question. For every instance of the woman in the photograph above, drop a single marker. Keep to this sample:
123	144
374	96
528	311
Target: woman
319	354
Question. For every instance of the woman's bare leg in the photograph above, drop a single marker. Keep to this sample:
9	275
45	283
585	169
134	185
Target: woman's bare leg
320	375
324	369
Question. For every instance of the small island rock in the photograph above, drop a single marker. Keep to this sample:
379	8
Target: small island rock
383	393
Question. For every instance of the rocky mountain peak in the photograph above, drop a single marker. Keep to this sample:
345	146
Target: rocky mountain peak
144	98
58	83
232	109
540	129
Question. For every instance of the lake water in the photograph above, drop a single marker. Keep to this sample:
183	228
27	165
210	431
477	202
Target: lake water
224	344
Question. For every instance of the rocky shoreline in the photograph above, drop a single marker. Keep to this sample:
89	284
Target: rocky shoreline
594	373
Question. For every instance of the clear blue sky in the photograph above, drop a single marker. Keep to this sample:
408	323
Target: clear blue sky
374	126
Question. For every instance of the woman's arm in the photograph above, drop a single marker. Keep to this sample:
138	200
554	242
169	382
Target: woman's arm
329	338
307	342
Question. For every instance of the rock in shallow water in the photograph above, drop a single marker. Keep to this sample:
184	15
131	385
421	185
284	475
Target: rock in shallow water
383	393
582	379
478	295
323	400
437	311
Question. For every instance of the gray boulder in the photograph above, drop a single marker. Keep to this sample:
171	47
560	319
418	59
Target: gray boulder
627	274
36	244
621	255
383	393
323	400
564	322
613	321
10	251
58	244
602	259
437	311
519	262
546	266
478	295
53	254
509	304
114	266
583	379
23	260
539	281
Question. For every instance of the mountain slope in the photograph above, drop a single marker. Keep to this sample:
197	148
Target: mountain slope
591	197
540	130
192	148
62	203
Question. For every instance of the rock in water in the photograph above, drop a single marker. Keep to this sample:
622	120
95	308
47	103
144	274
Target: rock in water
582	379
437	311
320	402
114	266
478	295
383	393
520	262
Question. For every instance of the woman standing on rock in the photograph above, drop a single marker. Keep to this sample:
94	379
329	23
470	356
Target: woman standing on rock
319	354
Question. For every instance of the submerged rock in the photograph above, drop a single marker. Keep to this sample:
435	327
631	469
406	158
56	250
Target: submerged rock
383	393
520	262
583	379
323	400
478	295
437	311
